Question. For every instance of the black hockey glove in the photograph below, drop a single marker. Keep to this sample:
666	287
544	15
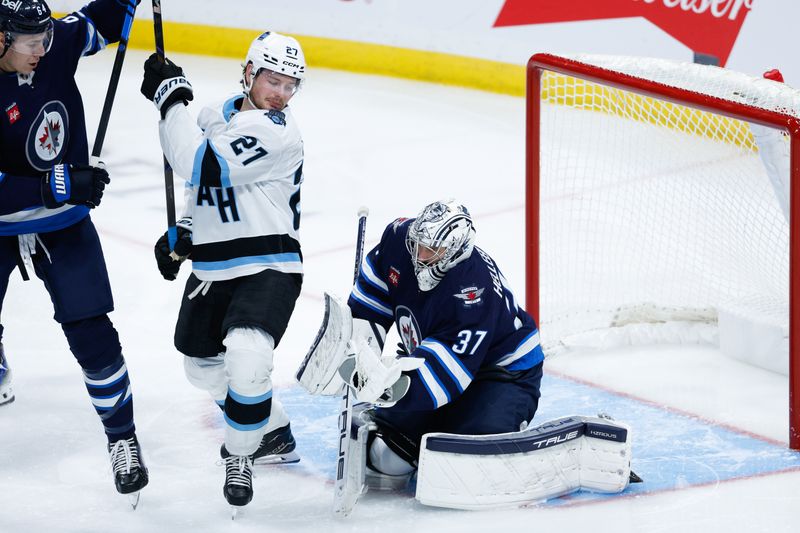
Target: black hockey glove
165	84
166	260
74	184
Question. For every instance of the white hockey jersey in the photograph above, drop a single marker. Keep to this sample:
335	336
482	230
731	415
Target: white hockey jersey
243	172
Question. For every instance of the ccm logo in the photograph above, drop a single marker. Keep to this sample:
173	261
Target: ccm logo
290	64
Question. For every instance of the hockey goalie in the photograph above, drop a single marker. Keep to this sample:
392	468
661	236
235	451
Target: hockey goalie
453	407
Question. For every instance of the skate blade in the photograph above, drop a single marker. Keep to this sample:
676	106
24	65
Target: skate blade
234	512
133	499
286	458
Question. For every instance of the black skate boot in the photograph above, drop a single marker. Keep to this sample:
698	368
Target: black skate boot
6	392
277	446
130	474
238	489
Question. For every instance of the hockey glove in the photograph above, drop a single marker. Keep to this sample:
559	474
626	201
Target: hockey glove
377	379
74	184
169	261
165	84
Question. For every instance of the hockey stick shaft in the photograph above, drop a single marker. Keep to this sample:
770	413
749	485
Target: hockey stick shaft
346	405
169	184
116	71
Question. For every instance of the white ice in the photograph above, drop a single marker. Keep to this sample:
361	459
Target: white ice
394	146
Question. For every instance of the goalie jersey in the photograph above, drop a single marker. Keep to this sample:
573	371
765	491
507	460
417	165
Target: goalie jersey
467	326
243	173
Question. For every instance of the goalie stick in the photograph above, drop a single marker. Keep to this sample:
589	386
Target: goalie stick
342	504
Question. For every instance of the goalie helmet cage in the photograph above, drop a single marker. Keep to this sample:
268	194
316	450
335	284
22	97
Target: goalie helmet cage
647	200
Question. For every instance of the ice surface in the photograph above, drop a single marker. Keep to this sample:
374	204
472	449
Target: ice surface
710	433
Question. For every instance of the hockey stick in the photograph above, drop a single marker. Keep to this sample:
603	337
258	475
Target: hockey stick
116	71
341	506
169	185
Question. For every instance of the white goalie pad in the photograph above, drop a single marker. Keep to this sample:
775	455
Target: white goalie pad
329	349
553	459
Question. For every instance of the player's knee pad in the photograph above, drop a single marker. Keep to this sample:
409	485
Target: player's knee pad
394	453
248	359
207	373
384	459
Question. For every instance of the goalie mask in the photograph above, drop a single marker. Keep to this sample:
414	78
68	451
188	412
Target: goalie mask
27	27
277	53
441	237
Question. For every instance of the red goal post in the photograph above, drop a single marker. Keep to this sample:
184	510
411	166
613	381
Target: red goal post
710	112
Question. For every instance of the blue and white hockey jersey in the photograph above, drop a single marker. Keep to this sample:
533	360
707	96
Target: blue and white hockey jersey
468	323
43	123
243	171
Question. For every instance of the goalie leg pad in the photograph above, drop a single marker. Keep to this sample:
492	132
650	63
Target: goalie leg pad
318	371
553	459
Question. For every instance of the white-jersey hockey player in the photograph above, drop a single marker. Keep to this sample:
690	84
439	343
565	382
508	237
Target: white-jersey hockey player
243	162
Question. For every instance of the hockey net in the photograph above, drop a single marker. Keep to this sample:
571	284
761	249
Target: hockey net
658	207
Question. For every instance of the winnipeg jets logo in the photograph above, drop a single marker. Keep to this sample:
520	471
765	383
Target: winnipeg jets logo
50	141
470	295
407	327
48	136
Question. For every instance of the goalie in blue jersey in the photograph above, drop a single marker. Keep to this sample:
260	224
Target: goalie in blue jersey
470	360
47	188
454	406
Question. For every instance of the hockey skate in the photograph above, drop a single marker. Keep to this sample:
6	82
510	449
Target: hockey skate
130	474
6	392
277	447
238	489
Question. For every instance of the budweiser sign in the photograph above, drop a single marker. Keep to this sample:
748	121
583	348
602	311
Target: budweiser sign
705	26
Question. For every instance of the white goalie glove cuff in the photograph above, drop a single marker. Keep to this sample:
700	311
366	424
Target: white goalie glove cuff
377	379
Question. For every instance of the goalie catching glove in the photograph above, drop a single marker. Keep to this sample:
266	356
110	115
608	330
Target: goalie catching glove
348	351
376	379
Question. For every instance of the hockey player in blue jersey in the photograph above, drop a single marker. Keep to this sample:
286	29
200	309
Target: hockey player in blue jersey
470	360
47	189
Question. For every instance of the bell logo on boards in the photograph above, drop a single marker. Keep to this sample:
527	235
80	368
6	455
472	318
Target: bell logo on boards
705	26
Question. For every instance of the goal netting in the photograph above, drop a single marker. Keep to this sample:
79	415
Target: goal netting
658	204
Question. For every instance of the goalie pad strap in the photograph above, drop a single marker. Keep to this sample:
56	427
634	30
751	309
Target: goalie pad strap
556	458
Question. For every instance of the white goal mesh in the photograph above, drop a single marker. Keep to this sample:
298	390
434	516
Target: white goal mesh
652	211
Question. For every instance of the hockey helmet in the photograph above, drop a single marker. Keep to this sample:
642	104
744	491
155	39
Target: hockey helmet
275	52
441	237
26	25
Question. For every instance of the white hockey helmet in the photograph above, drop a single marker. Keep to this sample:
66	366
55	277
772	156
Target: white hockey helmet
275	52
446	230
